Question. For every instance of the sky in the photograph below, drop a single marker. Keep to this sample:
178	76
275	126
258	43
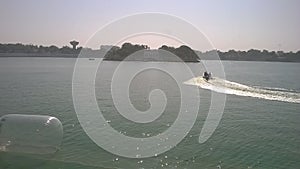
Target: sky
230	24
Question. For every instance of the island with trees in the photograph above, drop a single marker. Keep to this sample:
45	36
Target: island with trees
116	53
182	53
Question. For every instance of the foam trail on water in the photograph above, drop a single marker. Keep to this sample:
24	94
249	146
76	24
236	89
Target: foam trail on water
224	86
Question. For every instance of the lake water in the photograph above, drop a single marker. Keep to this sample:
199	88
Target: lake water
256	131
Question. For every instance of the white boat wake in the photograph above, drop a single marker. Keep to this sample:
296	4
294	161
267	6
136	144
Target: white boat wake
233	88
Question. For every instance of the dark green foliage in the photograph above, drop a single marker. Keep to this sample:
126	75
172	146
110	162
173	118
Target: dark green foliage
185	53
21	48
118	54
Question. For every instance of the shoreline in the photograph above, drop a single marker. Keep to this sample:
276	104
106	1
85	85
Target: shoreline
75	56
38	55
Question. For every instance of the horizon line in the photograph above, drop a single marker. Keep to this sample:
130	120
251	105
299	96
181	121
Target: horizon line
85	47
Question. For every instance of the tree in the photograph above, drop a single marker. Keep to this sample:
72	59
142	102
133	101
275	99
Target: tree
184	52
116	53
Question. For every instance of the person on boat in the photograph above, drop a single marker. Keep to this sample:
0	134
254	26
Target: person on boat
207	75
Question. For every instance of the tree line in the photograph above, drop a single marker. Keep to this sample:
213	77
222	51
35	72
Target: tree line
23	48
254	55
185	53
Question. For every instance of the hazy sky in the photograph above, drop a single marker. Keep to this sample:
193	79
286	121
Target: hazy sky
231	24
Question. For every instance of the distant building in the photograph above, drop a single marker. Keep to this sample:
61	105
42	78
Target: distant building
74	44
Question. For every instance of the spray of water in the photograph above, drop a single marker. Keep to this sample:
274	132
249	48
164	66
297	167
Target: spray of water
224	86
